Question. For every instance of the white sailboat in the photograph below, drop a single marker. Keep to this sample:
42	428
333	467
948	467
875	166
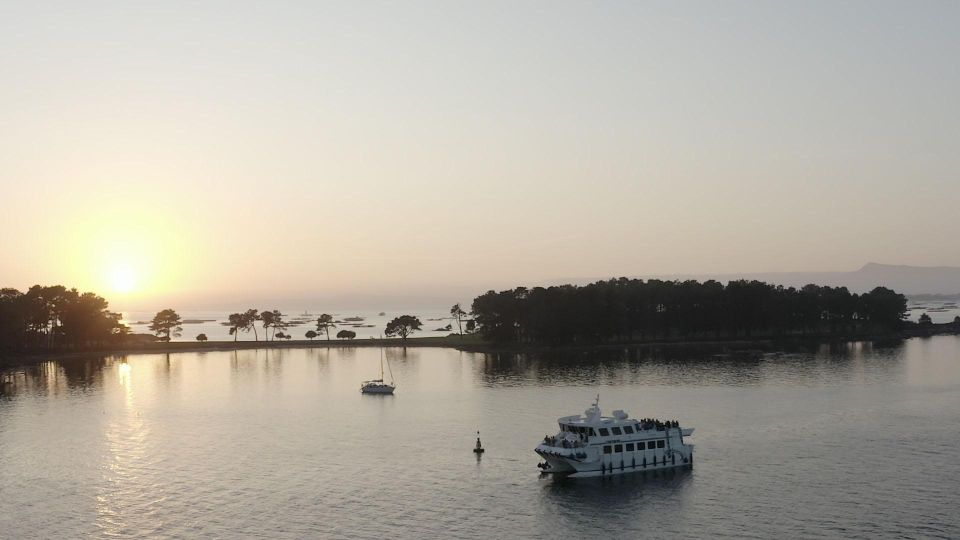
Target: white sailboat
379	386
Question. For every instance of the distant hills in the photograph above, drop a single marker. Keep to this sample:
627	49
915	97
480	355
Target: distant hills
909	280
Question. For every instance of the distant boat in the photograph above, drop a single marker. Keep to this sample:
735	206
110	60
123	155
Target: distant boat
378	386
382	314
353	319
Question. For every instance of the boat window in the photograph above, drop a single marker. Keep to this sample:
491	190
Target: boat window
593	433
607	449
651	445
660	443
616	431
629	447
618	448
604	432
628	430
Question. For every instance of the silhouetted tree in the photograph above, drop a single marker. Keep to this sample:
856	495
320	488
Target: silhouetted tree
165	324
325	323
84	320
346	334
48	317
310	334
457	312
237	322
402	326
271	319
250	318
925	321
201	337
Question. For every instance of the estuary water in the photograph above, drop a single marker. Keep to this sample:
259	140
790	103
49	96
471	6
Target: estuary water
854	441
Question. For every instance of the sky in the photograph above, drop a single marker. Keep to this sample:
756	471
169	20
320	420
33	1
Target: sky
194	153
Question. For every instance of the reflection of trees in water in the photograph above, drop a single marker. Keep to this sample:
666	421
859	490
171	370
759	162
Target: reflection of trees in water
320	356
401	354
249	366
79	375
85	374
243	364
402	360
348	353
645	365
273	362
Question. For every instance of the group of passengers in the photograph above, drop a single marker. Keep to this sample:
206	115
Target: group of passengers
653	423
563	442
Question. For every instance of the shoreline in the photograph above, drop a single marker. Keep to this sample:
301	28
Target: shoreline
473	344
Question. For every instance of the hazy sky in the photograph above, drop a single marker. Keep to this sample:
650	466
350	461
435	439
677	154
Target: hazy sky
161	151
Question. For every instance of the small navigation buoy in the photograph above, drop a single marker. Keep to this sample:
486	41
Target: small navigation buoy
479	448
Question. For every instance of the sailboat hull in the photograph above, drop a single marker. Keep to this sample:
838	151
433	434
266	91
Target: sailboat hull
385	389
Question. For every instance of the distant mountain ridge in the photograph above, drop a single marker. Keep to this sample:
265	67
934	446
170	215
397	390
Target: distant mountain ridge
909	280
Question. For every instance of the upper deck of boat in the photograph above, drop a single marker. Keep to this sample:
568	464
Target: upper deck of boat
593	418
580	420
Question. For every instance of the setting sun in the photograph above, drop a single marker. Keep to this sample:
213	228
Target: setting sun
123	279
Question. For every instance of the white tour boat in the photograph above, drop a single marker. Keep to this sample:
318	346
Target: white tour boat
379	386
595	445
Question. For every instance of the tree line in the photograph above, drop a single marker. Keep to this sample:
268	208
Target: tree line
167	324
55	317
47	317
637	310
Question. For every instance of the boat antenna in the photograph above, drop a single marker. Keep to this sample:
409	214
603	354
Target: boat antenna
596	403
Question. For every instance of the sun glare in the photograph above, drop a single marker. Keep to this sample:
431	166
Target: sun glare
122	279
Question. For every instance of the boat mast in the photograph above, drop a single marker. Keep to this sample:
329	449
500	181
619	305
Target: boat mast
390	369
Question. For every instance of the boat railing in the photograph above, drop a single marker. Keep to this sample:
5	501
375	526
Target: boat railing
560	442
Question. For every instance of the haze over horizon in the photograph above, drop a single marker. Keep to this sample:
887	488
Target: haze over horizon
171	153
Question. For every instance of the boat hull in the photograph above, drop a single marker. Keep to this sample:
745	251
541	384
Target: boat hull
628	470
610	465
377	390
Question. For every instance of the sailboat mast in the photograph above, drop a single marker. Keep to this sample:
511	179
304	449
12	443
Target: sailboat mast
392	382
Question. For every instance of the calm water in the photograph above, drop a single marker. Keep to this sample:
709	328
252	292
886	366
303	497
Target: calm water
849	442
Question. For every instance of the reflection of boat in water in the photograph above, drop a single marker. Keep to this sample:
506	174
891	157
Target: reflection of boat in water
595	445
378	386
